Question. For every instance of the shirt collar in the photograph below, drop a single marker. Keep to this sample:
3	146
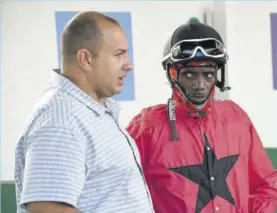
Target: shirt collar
65	85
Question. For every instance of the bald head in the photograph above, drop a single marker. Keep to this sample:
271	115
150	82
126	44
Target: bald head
84	31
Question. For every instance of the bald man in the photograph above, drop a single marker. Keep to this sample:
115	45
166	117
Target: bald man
73	156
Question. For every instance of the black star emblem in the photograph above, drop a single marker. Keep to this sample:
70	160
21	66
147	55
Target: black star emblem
210	176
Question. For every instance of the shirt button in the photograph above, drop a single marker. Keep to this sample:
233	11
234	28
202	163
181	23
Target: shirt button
208	148
212	178
216	208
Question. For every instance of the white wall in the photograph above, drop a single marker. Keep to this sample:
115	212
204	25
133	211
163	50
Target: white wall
29	53
250	64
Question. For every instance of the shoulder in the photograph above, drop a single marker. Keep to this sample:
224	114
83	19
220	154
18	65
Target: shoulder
148	118
52	109
231	110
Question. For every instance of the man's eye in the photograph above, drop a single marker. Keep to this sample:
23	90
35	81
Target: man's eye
189	75
119	55
209	75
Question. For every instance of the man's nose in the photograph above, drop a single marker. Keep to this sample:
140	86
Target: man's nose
128	66
199	83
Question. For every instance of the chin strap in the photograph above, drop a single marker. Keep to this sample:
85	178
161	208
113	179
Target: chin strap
221	84
172	118
171	107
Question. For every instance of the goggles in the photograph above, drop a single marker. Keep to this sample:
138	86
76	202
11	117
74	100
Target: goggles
187	49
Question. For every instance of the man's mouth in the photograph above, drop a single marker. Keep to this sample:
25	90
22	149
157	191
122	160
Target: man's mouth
199	96
121	80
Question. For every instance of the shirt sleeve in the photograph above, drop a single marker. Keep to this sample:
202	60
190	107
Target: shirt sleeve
262	177
54	166
262	174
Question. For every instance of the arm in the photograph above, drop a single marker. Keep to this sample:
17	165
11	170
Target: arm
46	207
54	173
263	178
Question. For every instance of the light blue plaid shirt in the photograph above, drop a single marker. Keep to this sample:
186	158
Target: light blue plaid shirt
73	151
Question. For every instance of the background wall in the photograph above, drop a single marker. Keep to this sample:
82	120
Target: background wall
30	52
251	30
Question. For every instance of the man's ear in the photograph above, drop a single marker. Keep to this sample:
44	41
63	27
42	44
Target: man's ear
85	60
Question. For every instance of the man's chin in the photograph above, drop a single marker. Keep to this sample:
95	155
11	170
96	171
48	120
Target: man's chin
118	90
198	101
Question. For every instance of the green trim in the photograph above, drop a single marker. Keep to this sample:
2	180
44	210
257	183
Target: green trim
8	204
8	191
272	153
